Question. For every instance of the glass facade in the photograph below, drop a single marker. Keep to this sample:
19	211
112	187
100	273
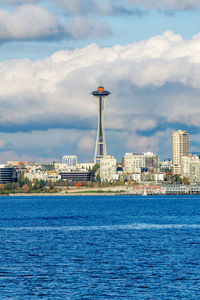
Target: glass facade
7	174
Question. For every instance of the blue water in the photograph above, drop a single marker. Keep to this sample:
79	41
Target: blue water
104	247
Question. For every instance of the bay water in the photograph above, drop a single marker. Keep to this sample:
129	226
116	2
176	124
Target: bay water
100	247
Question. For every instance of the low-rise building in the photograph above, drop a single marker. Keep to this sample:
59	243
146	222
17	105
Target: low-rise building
7	174
64	166
37	173
149	176
70	171
85	166
137	177
159	177
165	166
75	175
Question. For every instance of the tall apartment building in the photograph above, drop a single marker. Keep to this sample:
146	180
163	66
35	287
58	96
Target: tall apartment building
180	147
108	165
186	162
195	173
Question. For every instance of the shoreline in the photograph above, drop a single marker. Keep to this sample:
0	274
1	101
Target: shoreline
76	192
64	194
88	194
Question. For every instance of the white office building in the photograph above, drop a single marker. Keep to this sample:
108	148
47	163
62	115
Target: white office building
132	163
108	165
195	172
186	161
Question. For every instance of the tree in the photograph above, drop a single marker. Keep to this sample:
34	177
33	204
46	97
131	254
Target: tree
177	179
93	172
98	178
185	180
21	181
25	188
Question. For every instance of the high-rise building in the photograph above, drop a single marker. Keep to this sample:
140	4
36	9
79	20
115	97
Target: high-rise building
108	166
180	147
186	161
194	177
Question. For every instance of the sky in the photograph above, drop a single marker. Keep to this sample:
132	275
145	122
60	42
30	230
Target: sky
54	53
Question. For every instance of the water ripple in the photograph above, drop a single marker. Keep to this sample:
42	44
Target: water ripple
134	226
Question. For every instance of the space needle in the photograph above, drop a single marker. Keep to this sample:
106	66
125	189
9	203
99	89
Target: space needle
100	148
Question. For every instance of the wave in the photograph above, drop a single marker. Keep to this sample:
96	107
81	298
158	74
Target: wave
134	226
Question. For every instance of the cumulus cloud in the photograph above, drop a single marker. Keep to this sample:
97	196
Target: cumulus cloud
35	22
155	87
28	22
77	19
110	7
116	7
142	143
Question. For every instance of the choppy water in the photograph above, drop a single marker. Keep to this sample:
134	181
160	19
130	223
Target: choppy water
102	247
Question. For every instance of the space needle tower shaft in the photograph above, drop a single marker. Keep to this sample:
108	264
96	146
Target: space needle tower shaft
100	148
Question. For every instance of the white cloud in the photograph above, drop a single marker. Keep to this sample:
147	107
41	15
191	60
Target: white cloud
154	83
35	22
28	22
167	4
86	144
63	81
113	7
140	144
110	7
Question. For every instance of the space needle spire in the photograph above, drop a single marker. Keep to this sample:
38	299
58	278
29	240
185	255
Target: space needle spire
100	148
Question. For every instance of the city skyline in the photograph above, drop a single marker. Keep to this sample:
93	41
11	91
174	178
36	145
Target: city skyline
147	55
